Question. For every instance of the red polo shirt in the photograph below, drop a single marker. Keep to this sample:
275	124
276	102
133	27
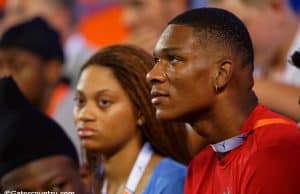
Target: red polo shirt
267	163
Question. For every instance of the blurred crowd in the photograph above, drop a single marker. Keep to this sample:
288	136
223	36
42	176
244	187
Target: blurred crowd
59	53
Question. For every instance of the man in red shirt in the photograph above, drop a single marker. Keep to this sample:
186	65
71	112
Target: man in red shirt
203	75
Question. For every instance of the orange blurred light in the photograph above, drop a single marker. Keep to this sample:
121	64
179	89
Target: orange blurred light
104	27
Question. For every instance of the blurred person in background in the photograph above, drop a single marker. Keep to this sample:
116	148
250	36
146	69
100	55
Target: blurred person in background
275	30
62	16
145	20
102	22
31	52
2	5
115	119
12	13
35	152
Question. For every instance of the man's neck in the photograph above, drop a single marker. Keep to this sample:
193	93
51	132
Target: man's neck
225	120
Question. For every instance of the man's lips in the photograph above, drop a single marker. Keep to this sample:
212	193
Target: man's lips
86	132
158	96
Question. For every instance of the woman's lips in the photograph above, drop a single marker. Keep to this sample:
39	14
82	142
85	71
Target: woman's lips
86	132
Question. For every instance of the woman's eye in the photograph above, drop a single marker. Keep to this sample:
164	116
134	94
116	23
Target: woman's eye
104	103
78	100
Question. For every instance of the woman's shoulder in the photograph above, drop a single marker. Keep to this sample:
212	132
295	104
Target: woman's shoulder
170	167
168	177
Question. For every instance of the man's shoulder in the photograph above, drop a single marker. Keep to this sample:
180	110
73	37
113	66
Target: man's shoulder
277	134
271	128
202	159
272	141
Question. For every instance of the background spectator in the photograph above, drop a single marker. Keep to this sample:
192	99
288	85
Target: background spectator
276	78
116	121
36	63
35	153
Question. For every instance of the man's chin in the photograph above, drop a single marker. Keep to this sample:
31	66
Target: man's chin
166	115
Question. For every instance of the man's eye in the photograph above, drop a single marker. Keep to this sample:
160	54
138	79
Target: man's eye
156	60
104	103
173	59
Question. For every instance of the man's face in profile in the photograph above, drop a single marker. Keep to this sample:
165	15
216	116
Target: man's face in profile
181	77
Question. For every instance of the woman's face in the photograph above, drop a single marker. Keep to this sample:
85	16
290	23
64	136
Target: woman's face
104	113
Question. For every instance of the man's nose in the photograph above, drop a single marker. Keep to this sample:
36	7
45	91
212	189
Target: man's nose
157	74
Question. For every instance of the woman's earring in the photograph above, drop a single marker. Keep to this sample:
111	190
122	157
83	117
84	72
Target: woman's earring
141	121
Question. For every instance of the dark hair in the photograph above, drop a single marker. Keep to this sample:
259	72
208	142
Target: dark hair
26	134
221	30
130	65
34	35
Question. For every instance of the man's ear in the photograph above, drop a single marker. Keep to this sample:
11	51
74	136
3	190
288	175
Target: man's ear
223	75
53	71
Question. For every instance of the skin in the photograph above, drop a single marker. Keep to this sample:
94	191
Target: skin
59	17
35	77
271	47
54	173
13	14
100	102
268	93
26	69
181	66
262	21
145	19
178	71
107	125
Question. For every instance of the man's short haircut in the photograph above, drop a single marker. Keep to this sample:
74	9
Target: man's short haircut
221	30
